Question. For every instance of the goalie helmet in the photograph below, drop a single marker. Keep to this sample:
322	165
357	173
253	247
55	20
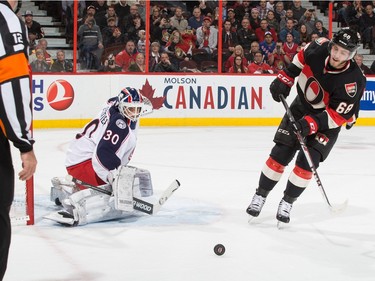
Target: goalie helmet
348	39
130	103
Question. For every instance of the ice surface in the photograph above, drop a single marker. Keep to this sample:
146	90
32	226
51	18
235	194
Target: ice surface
218	169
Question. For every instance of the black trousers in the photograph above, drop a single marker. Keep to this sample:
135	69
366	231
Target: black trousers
6	198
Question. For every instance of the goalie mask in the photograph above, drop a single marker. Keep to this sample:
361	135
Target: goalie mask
347	39
130	103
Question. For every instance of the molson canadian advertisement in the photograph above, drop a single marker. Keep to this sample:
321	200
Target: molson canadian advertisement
178	100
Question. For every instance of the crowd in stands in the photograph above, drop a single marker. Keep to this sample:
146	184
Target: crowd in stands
257	37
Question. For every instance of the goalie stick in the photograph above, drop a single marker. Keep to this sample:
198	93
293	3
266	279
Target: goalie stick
138	204
305	150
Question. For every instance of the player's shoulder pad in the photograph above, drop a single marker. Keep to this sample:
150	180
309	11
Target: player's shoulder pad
117	121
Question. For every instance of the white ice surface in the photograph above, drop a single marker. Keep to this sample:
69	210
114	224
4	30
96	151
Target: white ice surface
218	169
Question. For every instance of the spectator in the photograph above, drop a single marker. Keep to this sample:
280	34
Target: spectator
207	36
278	60
288	16
116	41
303	36
109	64
298	10
279	11
262	9
354	12
42	44
238	51
238	66
359	60
253	49
341	11
246	34
259	32
61	64
233	20
243	10
229	37
309	19
189	37
34	29
102	18
178	21
134	27
67	11
90	45
272	21
128	21
154	56
290	48
320	29
155	18
163	31
39	65
268	45
177	48
366	25
122	9
254	19
127	56
90	15
107	31
139	65
141	44
206	7
100	7
196	20
289	28
258	66
314	36
165	64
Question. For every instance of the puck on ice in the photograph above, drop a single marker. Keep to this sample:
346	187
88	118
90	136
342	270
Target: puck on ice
219	249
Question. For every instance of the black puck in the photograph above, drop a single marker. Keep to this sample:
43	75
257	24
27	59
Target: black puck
219	249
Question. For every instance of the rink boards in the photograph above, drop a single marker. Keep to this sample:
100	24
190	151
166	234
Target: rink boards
67	101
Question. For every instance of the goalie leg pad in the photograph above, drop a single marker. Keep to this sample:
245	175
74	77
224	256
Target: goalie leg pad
93	206
123	188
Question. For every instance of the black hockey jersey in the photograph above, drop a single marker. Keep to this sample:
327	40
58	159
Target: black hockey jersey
331	97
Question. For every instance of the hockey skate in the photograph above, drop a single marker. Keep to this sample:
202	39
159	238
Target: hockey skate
283	212
256	205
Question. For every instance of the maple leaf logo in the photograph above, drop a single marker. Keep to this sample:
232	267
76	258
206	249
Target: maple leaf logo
148	92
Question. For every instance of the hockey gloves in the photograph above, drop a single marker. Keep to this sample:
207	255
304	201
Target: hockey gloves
281	85
307	126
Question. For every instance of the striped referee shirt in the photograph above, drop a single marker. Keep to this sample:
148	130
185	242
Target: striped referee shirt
15	94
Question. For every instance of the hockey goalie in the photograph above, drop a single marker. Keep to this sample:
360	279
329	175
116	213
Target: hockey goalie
98	157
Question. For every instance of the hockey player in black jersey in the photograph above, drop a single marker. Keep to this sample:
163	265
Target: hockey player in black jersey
329	88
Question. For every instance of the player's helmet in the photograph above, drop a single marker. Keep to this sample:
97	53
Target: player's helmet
348	39
130	103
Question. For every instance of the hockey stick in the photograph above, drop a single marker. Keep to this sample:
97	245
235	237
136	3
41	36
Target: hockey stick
305	150
138	204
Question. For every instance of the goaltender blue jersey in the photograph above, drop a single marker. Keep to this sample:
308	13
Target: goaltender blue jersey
108	141
331	96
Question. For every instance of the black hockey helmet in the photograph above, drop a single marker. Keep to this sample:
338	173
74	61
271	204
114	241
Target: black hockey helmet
348	39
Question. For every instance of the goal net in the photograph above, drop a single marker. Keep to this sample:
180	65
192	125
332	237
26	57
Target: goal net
22	211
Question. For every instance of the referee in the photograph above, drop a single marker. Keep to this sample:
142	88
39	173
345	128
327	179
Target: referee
15	115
